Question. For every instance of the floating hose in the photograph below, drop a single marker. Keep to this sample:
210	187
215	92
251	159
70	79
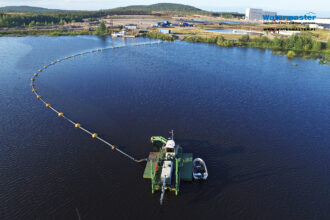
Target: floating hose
75	124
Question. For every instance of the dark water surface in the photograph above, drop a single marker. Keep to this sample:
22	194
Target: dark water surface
261	124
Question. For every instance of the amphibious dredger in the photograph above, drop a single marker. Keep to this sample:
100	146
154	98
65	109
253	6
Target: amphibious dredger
168	166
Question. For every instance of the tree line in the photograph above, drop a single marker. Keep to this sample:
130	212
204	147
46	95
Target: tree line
302	42
59	18
23	20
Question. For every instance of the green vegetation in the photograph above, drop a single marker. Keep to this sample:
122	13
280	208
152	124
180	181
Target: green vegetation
295	43
182	9
53	17
160	7
39	19
19	33
291	54
25	9
294	46
101	29
157	35
219	40
164	7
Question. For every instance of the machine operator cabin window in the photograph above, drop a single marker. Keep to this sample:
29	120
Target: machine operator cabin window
170	150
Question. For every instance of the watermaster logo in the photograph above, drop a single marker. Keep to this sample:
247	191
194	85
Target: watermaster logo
307	16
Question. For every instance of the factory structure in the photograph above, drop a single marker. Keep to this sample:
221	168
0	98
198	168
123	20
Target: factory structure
253	14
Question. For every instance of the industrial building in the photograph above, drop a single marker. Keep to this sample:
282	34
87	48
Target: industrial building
164	31
253	14
131	26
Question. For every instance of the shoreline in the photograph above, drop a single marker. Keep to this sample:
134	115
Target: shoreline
322	55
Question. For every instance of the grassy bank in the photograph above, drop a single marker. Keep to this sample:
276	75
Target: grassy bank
101	30
21	33
157	35
302	46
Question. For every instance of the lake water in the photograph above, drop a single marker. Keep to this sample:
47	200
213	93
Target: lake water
260	123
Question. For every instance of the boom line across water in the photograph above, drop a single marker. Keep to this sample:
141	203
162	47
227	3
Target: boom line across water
77	125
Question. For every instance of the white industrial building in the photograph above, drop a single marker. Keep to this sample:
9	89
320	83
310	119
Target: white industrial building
253	14
131	26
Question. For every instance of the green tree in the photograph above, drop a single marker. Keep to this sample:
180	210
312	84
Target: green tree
101	29
277	43
317	46
32	23
244	38
291	54
308	46
291	41
228	43
220	40
298	45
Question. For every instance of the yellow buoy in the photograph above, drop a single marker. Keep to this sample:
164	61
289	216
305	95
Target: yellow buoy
52	63
34	91
38	97
58	61
36	74
77	125
66	58
47	105
102	49
32	85
72	55
32	79
113	147
94	135
60	114
40	70
45	67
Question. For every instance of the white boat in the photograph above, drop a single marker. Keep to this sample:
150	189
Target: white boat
199	169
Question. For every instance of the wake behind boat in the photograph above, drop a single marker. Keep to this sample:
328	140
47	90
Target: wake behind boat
199	169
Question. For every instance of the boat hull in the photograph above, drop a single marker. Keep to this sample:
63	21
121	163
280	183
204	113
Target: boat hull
199	169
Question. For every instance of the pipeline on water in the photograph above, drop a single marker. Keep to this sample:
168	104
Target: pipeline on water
76	124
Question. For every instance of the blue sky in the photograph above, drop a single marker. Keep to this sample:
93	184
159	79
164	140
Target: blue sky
321	7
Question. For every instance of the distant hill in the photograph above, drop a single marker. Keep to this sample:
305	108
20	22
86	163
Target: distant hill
160	7
163	7
26	9
128	10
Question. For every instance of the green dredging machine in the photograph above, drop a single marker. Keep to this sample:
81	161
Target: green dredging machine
168	166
